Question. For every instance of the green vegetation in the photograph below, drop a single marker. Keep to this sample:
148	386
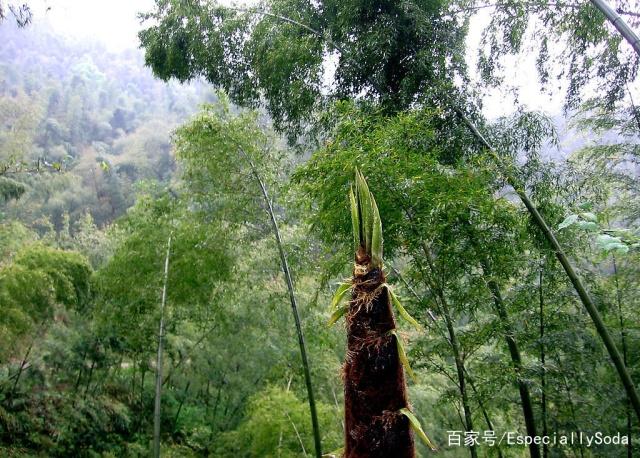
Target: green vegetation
175	274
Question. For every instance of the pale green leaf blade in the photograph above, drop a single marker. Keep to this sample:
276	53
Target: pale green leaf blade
402	311
568	221
589	216
415	425
588	226
355	219
364	200
339	295
608	243
376	235
403	355
336	315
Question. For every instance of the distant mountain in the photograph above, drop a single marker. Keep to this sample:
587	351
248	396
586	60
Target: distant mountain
101	115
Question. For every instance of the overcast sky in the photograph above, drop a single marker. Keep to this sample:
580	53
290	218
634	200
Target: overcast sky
112	22
115	23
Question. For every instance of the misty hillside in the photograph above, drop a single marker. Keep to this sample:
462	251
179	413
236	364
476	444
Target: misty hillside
100	115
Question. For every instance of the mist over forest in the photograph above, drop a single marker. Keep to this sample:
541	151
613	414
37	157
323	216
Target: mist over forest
101	116
297	229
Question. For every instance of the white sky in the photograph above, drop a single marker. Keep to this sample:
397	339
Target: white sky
115	24
112	22
519	72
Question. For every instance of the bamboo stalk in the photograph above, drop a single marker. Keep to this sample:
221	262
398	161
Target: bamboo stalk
619	23
623	334
294	305
543	371
156	412
575	279
516	361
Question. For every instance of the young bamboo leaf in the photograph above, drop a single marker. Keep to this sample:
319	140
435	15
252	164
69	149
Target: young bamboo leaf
402	311
587	226
589	216
364	201
403	355
608	243
415	425
335	316
355	219
339	295
376	235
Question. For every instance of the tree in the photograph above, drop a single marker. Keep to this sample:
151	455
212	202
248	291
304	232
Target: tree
394	52
275	425
458	240
34	285
573	42
129	285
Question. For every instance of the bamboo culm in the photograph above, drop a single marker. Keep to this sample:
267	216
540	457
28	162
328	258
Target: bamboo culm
156	412
579	287
294	306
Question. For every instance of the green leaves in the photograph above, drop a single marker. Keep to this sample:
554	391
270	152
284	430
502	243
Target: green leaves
335	309
339	295
363	196
376	235
365	217
568	221
10	189
608	244
277	60
588	226
402	355
401	310
355	219
415	425
586	221
337	314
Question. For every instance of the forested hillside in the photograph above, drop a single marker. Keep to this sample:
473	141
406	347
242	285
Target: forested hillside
291	230
97	119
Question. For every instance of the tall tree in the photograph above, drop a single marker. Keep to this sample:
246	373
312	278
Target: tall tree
393	52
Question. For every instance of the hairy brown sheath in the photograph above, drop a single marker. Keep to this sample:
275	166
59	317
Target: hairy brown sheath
374	383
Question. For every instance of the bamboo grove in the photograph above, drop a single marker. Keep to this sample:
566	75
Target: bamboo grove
194	265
